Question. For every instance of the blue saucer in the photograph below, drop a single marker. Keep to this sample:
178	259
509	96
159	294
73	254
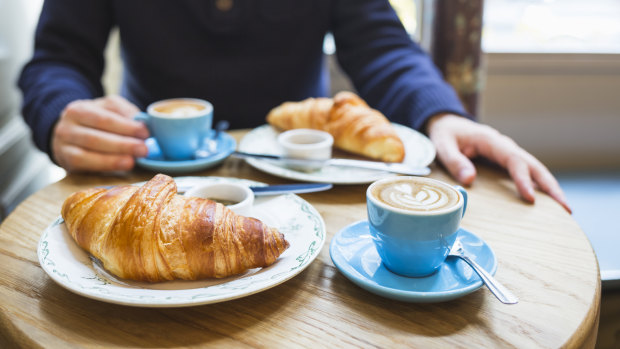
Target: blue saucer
155	161
354	254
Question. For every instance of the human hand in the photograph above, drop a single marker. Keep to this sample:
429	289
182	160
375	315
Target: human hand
98	135
458	139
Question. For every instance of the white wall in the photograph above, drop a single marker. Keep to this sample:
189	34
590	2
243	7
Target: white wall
565	109
17	23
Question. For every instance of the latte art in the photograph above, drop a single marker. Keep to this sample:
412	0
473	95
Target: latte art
414	222
416	195
179	109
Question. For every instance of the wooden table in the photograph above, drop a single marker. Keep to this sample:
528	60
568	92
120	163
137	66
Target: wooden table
543	256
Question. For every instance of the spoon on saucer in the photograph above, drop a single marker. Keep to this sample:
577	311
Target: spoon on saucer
498	290
211	144
220	127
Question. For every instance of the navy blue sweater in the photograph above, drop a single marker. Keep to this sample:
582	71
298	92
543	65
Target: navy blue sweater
246	58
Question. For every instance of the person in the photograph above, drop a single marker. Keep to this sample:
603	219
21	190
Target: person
246	57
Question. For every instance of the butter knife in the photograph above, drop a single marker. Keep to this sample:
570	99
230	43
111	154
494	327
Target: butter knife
297	188
372	165
276	189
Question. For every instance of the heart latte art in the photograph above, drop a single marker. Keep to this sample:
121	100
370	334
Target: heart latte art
416	195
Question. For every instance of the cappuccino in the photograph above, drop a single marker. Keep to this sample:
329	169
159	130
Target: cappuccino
179	108
414	222
416	194
178	125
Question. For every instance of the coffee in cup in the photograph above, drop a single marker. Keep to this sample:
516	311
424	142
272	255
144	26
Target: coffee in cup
414	222
236	196
416	195
180	126
179	108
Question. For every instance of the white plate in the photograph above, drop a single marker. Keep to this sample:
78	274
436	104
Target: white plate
419	152
71	267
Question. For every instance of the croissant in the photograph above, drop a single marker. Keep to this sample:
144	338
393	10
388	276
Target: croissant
151	234
355	126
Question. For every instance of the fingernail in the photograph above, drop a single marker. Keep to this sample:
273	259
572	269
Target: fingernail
530	191
141	151
465	174
142	133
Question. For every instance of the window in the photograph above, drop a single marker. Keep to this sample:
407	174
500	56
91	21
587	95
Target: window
551	26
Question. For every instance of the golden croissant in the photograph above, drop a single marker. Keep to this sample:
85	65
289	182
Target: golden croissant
151	234
355	126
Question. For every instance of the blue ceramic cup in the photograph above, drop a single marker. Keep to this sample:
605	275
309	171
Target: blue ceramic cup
414	222
180	126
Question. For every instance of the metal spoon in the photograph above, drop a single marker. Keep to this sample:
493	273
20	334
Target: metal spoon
501	292
220	127
211	146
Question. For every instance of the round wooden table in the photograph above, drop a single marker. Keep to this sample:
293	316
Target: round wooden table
543	257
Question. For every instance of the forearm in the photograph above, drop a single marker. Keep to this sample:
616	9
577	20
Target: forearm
67	63
46	92
388	69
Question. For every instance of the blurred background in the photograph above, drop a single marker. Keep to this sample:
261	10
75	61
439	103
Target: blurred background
547	75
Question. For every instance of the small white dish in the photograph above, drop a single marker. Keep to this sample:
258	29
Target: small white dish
419	152
306	144
236	196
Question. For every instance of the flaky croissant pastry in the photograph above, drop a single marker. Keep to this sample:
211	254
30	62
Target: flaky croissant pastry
151	234
355	126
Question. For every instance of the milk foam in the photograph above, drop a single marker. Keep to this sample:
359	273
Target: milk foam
416	196
180	109
184	111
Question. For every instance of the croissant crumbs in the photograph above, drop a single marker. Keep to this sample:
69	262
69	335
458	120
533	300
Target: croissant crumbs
355	126
151	234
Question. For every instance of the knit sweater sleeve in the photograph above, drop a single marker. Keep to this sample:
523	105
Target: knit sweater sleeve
390	71
67	63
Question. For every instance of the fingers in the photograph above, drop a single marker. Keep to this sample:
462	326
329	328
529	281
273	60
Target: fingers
515	160
98	135
119	105
457	163
520	173
458	139
524	169
100	141
75	159
549	185
93	115
527	171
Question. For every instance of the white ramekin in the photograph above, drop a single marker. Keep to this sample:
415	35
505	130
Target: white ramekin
306	144
240	193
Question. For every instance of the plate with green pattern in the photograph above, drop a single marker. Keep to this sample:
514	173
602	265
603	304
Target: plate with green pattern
419	152
76	270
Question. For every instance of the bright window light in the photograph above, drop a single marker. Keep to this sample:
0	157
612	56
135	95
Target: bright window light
551	26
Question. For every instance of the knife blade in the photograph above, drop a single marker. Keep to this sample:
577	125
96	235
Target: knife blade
373	165
297	188
276	189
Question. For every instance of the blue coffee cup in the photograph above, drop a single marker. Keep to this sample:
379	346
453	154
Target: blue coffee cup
180	125
411	240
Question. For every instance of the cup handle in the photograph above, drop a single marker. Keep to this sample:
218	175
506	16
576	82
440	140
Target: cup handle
464	192
143	117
